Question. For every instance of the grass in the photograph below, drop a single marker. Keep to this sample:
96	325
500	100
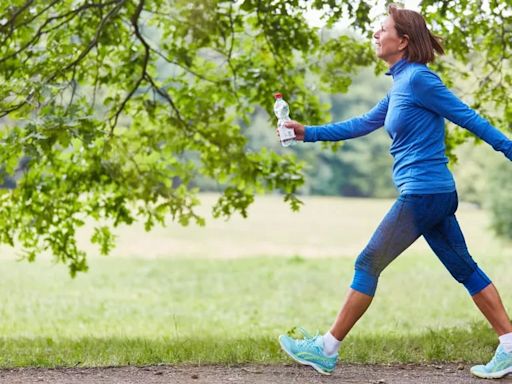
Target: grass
150	310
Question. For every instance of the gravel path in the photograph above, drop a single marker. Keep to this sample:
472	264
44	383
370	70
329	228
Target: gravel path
252	374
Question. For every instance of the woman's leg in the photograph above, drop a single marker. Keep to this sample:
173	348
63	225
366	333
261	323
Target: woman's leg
409	217
447	241
354	307
489	302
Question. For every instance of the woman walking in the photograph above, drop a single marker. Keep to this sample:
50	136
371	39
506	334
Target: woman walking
413	114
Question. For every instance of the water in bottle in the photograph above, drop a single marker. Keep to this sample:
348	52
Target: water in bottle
282	112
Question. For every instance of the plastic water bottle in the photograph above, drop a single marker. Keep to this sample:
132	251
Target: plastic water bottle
282	112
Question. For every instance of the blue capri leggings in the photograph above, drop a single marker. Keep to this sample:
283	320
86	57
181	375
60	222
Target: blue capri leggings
414	215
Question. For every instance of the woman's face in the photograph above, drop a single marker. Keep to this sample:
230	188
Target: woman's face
389	46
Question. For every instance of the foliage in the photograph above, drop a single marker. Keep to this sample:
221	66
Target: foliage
359	167
486	180
478	37
117	105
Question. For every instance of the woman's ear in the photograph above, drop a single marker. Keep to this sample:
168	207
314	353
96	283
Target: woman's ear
404	43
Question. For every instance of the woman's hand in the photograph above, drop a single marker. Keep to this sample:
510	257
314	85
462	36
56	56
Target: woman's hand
297	127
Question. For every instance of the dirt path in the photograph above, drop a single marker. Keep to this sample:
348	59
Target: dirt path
252	374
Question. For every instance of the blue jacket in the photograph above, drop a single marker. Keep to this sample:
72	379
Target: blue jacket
413	114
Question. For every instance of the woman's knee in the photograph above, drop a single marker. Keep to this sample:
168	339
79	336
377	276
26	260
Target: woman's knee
476	281
369	261
364	282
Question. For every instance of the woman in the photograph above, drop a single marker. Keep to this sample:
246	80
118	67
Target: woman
413	114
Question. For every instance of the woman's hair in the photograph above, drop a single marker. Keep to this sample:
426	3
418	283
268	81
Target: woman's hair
422	43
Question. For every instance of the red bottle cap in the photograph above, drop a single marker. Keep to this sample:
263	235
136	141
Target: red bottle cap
278	95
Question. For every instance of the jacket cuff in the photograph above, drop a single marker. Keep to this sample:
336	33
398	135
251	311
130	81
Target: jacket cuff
310	134
509	153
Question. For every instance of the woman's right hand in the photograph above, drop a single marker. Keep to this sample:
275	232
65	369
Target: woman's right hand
297	127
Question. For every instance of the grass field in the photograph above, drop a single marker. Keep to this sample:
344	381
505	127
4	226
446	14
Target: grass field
223	293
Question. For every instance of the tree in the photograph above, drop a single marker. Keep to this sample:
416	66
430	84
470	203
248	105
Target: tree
107	99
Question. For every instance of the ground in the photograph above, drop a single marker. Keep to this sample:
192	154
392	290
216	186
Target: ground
252	374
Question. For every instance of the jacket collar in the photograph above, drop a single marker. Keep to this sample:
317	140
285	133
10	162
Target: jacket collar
398	67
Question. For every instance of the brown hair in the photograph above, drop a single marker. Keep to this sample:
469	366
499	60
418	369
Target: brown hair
422	43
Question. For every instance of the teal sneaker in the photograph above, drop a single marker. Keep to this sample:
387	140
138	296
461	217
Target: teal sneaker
499	366
309	351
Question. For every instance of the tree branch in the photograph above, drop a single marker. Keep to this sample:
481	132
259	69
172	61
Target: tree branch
275	54
34	39
15	107
41	31
11	21
96	80
12	29
183	67
73	64
73	84
94	41
135	23
168	98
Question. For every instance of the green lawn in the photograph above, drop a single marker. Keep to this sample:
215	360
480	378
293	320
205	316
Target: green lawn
147	310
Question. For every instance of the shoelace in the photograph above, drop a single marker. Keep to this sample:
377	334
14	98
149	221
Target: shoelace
306	334
309	340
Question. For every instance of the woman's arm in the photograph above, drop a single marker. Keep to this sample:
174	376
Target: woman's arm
348	129
430	93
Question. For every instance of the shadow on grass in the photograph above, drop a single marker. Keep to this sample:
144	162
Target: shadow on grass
475	344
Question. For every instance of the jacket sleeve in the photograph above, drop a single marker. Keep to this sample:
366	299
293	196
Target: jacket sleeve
431	93
348	129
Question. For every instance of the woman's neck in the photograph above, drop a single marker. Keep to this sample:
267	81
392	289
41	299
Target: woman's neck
394	60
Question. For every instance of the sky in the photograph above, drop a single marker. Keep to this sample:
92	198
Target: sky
314	19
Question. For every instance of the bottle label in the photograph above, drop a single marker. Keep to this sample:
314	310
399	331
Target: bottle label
285	133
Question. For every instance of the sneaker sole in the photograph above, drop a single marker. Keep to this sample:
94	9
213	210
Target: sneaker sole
493	375
304	362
